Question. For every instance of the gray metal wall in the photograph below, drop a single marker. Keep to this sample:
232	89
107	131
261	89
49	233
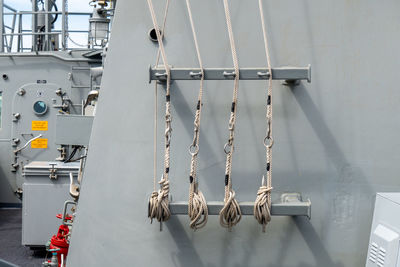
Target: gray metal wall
24	72
336	139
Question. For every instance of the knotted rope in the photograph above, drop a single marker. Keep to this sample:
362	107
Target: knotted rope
230	214
197	206
262	205
159	201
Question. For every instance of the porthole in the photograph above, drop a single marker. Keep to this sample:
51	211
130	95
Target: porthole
40	108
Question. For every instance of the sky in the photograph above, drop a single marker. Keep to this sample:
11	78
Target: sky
75	22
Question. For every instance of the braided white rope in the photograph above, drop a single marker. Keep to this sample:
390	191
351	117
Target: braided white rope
197	206
159	201
230	214
262	205
153	201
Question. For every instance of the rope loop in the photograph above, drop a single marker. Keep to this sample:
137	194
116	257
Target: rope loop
268	142
197	208
262	207
230	215
228	148
152	208
194	149
162	212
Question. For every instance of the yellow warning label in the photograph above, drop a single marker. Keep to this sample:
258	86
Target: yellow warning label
39	143
40	125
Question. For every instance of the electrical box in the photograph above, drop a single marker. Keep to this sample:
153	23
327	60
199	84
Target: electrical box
383	249
46	188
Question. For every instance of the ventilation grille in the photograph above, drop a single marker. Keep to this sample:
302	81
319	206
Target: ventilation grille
377	254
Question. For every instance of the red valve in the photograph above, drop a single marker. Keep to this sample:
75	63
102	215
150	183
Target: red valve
60	242
67	217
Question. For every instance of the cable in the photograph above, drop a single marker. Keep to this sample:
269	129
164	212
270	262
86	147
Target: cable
75	43
27	143
56	9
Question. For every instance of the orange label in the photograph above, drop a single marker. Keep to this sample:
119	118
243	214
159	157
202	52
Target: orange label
39	143
40	125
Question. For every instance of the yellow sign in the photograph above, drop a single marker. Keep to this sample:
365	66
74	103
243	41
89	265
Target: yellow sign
40	125
39	143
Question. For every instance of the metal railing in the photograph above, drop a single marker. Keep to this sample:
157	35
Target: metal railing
44	39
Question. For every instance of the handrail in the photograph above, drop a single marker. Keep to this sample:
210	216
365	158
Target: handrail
49	54
20	33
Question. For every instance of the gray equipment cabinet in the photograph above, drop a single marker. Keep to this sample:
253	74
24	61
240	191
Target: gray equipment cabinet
384	244
46	188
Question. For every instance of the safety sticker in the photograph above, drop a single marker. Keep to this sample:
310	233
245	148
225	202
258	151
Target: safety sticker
39	143
40	125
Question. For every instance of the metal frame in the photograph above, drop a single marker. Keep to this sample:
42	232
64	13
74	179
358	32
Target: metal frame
6	40
291	204
288	74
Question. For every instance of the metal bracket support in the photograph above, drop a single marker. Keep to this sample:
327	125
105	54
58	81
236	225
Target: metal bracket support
53	172
291	204
288	74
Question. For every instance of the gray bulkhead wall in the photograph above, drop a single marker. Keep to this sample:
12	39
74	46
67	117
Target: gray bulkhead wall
336	139
20	72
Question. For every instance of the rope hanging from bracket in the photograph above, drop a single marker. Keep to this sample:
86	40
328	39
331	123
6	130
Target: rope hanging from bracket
197	206
159	200
231	214
262	205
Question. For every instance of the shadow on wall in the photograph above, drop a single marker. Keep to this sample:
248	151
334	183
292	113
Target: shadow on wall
349	187
314	243
188	256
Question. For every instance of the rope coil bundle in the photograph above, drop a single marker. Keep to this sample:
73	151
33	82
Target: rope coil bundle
197	206
159	200
230	214
262	205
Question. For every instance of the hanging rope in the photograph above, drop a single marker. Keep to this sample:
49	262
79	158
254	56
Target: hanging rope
152	210
230	214
197	207
159	202
262	205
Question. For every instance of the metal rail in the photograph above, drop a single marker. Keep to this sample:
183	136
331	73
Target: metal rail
50	54
9	32
282	73
291	204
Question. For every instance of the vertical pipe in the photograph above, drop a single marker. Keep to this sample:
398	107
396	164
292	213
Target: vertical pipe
63	34
12	31
1	27
34	20
47	26
20	47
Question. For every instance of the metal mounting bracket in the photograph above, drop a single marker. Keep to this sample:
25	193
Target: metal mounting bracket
291	204
53	172
288	74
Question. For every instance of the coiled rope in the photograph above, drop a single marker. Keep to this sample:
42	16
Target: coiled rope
197	206
262	205
159	202
230	214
